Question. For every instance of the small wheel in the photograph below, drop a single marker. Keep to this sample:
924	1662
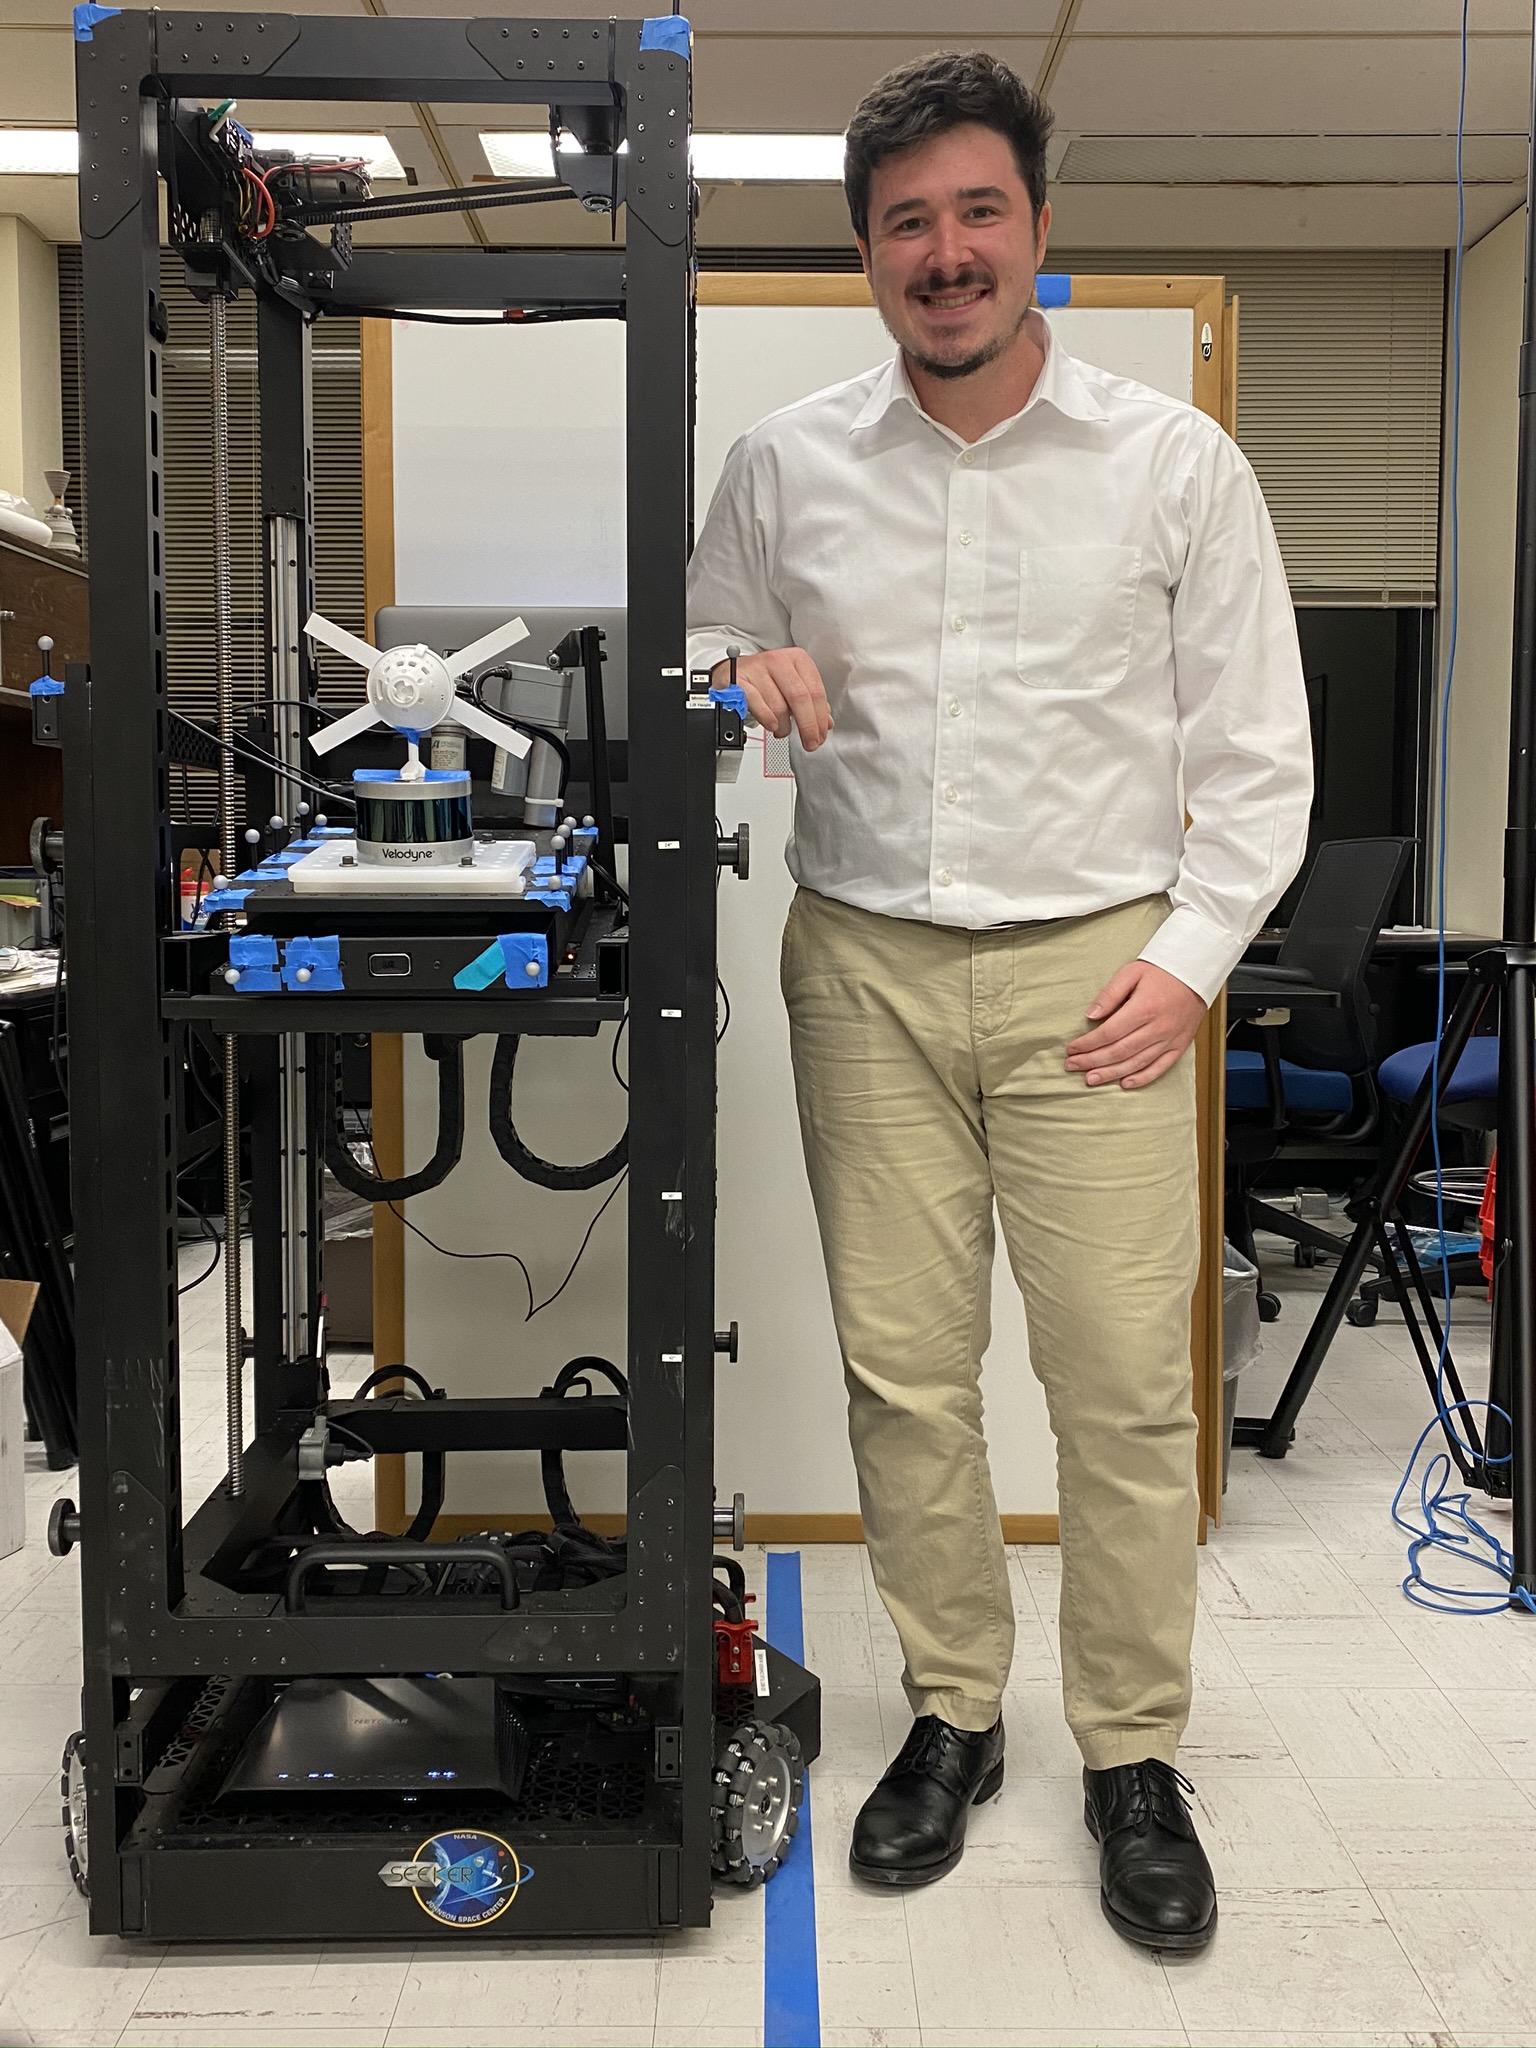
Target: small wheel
72	1799
759	1780
1269	1308
1361	1313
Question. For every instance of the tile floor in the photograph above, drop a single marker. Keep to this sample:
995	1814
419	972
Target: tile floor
1365	1774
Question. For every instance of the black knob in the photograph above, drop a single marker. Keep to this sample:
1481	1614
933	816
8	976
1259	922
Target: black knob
736	852
728	1343
63	1527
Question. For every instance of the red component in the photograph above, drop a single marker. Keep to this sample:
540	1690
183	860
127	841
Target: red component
1485	1223
733	1649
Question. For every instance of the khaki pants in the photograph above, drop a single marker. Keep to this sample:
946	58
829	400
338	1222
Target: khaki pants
930	1072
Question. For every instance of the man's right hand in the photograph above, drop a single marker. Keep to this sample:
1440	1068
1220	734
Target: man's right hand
784	691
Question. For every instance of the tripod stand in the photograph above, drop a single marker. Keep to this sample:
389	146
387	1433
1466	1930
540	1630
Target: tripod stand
1506	1463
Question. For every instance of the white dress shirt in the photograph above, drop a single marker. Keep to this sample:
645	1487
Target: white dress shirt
1039	650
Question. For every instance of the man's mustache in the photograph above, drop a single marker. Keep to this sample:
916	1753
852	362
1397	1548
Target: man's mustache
962	281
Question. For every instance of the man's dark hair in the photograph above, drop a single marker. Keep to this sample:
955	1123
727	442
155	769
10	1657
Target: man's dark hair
935	93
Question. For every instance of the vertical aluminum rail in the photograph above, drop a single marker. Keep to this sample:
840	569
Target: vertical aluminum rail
284	540
229	833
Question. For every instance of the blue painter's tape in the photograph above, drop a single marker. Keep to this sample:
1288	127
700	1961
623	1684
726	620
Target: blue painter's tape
1054	290
667	32
522	950
254	957
551	898
224	899
320	959
732	697
791	1994
480	972
546	864
46	686
86	18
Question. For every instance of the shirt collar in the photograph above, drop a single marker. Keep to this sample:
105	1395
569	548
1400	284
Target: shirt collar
1060	384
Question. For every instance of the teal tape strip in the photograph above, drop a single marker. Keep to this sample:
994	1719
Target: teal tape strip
485	968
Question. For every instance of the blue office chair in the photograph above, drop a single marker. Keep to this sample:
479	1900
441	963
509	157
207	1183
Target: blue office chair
1314	1076
1469	1100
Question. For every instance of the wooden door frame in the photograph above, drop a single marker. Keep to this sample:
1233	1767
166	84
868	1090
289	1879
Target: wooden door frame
1214	386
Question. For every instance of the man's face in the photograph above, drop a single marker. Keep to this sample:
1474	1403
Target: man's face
953	249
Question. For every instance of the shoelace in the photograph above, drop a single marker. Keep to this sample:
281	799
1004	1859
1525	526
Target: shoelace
1162	1793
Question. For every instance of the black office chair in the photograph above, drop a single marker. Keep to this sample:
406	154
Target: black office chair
1315	1074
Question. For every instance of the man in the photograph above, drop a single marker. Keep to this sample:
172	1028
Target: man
1016	616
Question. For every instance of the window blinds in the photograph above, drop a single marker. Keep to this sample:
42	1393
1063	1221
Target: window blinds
1338	409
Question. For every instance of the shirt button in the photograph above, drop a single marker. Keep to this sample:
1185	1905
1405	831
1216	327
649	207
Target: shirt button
965	540
959	622
945	878
968	456
951	795
954	707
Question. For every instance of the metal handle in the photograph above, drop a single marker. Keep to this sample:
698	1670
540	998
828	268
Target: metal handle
398	1553
736	852
63	1527
731	1523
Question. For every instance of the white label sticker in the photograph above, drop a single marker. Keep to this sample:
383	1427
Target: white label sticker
760	1669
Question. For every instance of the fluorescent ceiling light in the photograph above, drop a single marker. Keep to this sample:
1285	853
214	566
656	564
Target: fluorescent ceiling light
39	152
55	152
721	159
519	153
790	159
374	150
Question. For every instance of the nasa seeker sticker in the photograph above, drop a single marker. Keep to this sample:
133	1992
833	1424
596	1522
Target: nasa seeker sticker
463	1878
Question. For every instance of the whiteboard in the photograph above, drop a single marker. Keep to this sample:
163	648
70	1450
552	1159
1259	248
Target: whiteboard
509	488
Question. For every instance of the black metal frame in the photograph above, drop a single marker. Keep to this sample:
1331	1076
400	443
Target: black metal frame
153	1619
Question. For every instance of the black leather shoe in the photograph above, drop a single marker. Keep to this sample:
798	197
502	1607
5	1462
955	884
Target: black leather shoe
1154	1882
911	1828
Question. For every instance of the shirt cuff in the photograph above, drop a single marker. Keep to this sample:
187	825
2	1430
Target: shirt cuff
1200	953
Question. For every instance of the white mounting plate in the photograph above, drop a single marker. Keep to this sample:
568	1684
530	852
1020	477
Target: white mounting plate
499	869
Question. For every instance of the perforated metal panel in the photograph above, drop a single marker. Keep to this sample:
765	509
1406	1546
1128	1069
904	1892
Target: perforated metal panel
337	388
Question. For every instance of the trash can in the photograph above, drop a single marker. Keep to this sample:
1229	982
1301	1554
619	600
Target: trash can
1240	1338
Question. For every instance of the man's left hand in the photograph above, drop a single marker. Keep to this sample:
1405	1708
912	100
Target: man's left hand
1145	1018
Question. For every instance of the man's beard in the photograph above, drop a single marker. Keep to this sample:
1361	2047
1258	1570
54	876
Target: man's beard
951	368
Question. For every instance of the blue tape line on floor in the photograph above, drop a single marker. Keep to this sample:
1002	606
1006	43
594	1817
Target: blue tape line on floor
791	1997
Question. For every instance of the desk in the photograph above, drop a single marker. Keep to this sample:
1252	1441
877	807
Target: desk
1403	995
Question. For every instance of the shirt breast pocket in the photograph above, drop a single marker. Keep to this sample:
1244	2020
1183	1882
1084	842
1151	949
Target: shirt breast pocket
1077	607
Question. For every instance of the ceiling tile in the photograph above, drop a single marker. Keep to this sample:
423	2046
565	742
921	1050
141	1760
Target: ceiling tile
1290	160
37	77
1269	86
810	85
1275	17
964	22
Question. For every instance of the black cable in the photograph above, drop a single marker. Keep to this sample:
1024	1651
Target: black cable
581	1248
543	1173
448	1054
262	759
613	881
514	316
448	1252
207	1272
613	1059
534	1308
725	996
523	725
382	1373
